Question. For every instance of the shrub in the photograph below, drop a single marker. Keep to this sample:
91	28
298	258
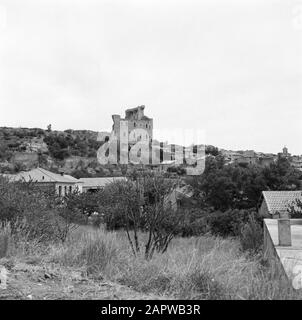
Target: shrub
97	254
194	223
205	286
91	249
230	222
251	235
36	211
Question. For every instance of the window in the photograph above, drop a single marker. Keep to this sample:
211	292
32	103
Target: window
60	191
70	189
65	190
134	124
146	126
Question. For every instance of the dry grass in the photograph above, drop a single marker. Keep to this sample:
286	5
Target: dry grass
193	268
5	232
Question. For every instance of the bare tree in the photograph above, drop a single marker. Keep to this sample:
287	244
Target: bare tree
144	202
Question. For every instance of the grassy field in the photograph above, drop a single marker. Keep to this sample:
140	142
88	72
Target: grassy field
206	267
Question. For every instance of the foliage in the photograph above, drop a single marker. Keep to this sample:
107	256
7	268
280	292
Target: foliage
37	211
193	222
212	150
222	187
230	222
142	203
281	175
295	209
63	145
86	203
251	235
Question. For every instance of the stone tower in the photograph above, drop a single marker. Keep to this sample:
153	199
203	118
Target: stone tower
140	127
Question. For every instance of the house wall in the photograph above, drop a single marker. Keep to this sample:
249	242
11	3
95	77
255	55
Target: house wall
269	251
46	185
66	188
263	210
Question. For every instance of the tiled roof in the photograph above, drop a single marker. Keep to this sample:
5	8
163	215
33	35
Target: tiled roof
279	201
99	182
42	175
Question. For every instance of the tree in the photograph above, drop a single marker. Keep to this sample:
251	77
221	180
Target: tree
223	187
159	219
281	175
212	150
142	204
295	209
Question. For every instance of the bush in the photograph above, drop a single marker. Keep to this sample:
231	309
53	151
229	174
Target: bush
205	286
251	235
97	254
95	250
36	211
229	223
193	224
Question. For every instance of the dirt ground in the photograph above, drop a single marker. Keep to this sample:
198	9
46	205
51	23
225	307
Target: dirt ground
30	281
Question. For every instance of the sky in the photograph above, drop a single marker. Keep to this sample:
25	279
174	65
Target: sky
229	69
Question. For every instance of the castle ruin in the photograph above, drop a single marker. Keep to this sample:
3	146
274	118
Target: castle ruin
140	127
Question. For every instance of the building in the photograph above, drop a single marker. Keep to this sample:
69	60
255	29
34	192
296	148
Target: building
62	183
166	164
296	162
140	127
240	157
284	153
247	157
275	204
94	184
265	160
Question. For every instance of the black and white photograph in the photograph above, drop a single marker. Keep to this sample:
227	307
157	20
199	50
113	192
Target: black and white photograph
150	152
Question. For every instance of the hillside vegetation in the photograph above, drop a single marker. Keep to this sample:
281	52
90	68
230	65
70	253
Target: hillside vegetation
74	151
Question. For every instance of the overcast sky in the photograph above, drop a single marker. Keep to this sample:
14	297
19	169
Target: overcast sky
230	68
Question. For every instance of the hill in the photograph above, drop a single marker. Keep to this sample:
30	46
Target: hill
73	151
